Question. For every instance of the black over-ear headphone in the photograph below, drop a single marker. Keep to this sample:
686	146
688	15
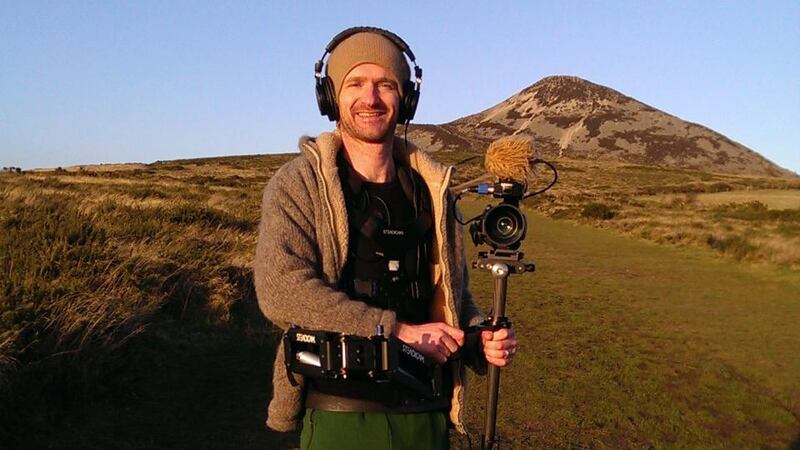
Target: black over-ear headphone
326	94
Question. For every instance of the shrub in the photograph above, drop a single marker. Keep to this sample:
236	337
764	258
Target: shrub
52	183
564	213
755	211
599	211
719	187
231	181
736	246
785	215
141	192
187	214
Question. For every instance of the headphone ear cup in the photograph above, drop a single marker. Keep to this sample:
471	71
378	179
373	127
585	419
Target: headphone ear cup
408	105
326	99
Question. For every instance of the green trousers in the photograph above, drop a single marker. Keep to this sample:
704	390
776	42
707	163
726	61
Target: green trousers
325	430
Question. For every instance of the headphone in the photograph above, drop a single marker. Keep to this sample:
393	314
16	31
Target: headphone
326	93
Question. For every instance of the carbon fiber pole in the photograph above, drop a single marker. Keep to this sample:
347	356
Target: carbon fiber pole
500	273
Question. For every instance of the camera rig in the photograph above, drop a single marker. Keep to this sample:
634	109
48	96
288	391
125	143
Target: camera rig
503	227
376	358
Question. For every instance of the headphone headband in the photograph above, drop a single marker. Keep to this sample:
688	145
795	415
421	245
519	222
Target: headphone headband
326	98
398	41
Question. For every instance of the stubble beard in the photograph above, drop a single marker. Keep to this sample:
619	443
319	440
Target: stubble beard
378	136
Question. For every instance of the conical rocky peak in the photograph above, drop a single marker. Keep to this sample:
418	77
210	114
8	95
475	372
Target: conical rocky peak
569	117
565	88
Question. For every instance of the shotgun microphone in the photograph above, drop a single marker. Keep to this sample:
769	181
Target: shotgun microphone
510	158
511	162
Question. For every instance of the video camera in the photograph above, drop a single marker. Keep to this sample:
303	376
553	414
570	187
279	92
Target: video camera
503	226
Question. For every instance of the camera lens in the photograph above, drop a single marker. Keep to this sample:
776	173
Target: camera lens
504	226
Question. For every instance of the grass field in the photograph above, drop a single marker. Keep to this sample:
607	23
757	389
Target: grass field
773	198
633	345
744	218
654	320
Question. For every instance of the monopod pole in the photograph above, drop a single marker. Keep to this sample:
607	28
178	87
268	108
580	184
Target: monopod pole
500	272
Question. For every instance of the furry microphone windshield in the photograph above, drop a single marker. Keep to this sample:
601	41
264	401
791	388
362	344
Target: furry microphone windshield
510	158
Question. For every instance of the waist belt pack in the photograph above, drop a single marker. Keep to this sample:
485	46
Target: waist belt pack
333	355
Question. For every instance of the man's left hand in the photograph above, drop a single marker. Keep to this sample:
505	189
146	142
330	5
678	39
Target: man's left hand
499	346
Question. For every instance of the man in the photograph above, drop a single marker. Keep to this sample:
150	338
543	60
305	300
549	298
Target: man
359	231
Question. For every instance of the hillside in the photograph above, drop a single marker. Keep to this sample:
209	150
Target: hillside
128	316
568	117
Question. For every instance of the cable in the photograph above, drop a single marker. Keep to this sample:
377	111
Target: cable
405	135
552	183
529	194
455	202
463	161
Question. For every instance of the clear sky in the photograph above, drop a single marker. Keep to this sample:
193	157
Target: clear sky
139	81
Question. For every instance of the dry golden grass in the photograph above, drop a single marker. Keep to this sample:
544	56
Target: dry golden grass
773	198
684	207
95	259
778	250
110	167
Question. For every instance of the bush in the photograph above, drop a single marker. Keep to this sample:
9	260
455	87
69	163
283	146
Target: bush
719	187
141	192
736	246
565	213
187	214
755	211
599	211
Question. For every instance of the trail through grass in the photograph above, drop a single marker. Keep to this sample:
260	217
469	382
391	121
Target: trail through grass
626	344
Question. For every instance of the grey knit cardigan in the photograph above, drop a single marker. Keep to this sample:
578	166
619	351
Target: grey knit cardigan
302	249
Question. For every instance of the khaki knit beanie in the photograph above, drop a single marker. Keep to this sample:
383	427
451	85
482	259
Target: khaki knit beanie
366	47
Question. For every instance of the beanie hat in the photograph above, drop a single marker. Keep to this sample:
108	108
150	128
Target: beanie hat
366	47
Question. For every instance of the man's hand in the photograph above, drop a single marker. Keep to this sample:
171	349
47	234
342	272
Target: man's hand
499	346
435	340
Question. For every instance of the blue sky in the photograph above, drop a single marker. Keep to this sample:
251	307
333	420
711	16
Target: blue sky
107	81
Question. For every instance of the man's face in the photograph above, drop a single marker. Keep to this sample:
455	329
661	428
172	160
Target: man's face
368	104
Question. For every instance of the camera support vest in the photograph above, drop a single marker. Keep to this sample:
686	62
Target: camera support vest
390	243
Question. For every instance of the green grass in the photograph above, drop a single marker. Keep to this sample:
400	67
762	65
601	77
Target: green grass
627	344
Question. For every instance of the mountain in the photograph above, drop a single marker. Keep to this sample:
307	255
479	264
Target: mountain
569	117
